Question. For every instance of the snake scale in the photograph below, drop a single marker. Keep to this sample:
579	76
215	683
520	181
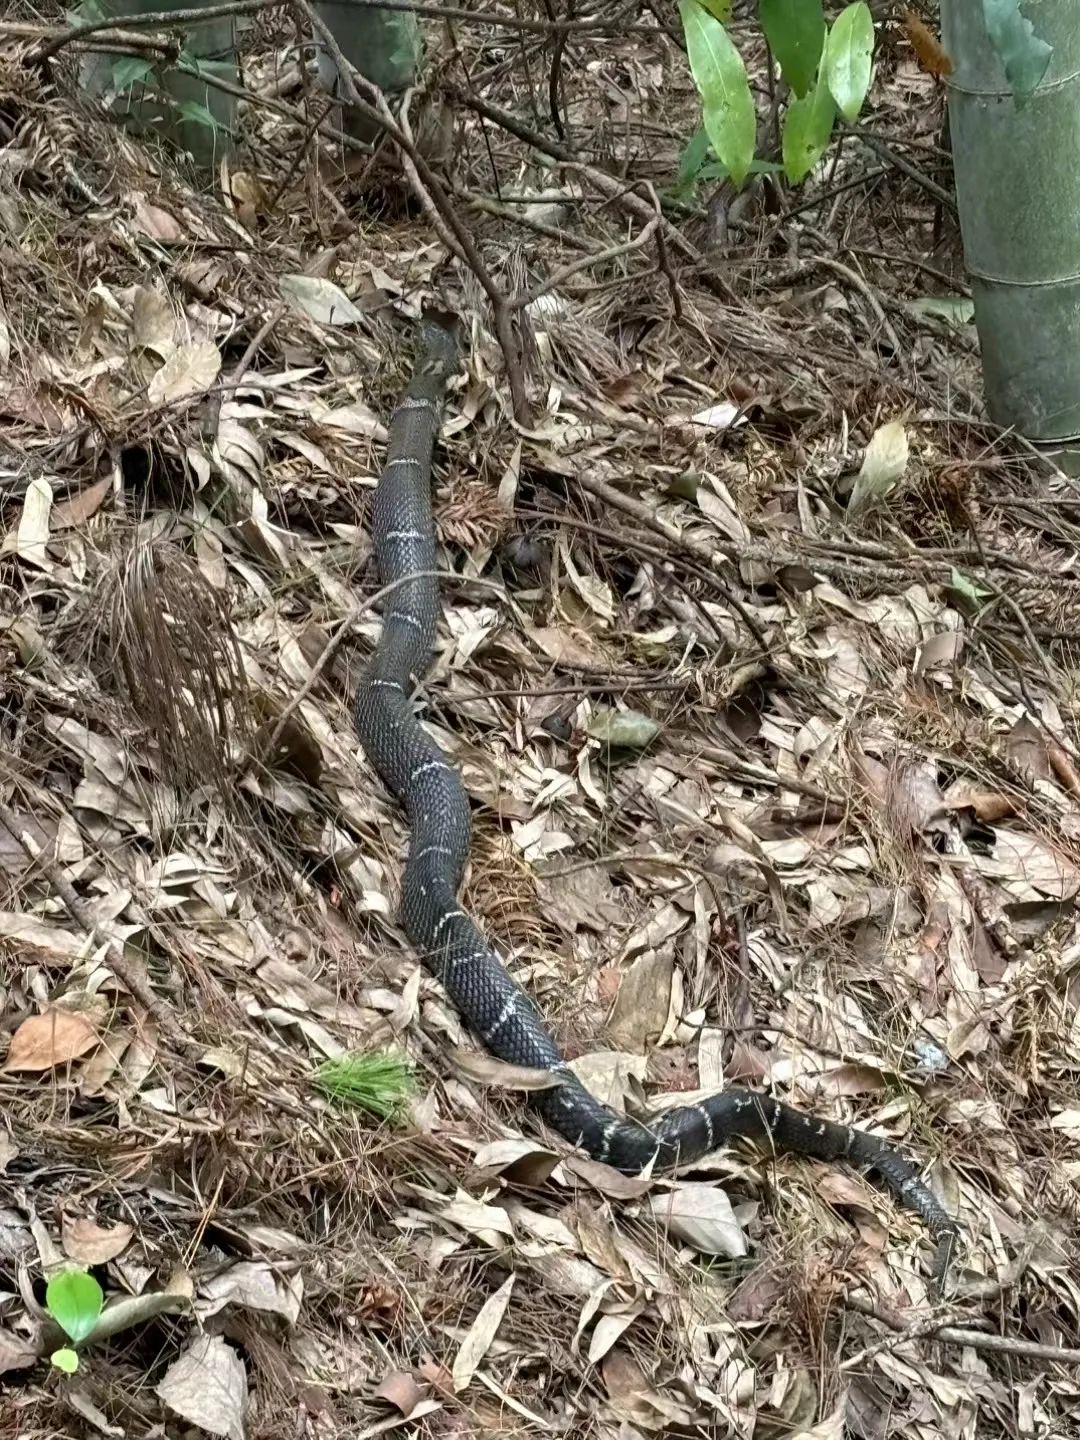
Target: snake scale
467	966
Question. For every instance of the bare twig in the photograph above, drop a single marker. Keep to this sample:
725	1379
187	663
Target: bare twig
948	1334
432	195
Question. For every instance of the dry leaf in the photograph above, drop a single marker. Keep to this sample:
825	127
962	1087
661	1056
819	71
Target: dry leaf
39	941
883	466
400	1390
16	1353
498	1074
641	1007
189	370
701	1215
831	1428
321	300
32	533
89	1243
480	1334
207	1386
255	1285
522	1162
55	1037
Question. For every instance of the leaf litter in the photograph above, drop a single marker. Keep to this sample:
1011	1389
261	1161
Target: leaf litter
768	716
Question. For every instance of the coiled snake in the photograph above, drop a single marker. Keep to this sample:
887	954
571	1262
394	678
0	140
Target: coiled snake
469	969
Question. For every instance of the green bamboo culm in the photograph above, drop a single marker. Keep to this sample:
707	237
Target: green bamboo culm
378	1082
1014	118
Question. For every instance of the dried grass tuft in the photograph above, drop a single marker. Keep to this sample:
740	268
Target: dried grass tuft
176	659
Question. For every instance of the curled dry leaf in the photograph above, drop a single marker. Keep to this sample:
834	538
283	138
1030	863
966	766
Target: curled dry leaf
16	1353
89	1243
255	1285
499	1075
522	1162
400	1390
55	1037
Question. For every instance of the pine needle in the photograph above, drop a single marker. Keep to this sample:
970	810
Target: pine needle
379	1082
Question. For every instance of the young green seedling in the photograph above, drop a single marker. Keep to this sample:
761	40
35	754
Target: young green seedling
74	1299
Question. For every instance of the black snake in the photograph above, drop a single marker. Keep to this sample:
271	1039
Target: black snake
469	969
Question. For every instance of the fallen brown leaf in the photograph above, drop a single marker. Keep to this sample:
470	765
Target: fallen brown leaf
89	1243
55	1037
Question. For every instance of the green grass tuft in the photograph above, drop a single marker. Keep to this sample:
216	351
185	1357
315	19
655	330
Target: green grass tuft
379	1082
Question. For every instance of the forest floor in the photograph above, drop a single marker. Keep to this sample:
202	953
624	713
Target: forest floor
757	660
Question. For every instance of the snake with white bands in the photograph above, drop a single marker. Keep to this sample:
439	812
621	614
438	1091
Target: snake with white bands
469	969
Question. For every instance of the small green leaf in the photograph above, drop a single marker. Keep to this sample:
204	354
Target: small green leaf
848	58
795	30
808	127
1024	54
197	114
694	156
727	106
65	1360
74	1300
963	586
623	729
130	70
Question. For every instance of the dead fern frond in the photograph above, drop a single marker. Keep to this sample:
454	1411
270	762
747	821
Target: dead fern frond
177	659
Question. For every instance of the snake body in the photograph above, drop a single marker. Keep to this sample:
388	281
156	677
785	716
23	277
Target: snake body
467	966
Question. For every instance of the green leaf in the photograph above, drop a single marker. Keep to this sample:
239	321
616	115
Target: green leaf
198	114
622	729
795	30
199	65
808	127
130	70
727	106
848	56
694	156
968	590
718	9
65	1360
74	1300
1024	54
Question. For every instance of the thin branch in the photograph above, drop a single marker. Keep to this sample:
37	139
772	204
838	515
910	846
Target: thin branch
955	1335
618	24
432	196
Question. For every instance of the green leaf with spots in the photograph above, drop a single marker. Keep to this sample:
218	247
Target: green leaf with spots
727	106
849	54
808	127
